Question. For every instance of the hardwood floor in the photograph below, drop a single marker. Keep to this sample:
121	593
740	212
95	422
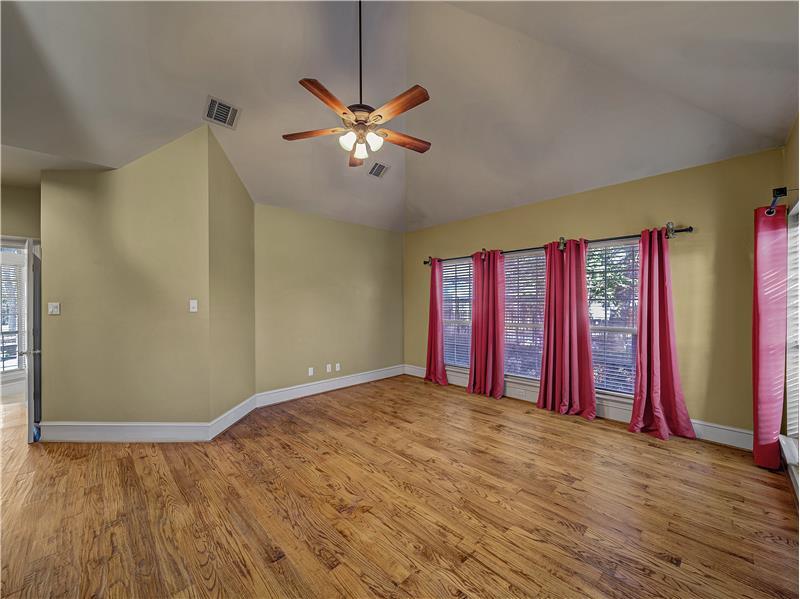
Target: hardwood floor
396	489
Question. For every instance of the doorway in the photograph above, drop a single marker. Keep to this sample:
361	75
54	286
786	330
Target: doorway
20	332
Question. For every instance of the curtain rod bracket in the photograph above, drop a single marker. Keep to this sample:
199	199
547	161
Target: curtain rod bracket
562	244
777	193
670	230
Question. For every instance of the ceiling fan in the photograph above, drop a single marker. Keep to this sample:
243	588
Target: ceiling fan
363	124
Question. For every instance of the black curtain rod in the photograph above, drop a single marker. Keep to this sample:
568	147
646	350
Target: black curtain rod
671	231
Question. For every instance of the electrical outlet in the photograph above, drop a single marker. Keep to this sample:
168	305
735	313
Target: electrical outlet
328	367
54	308
192	305
338	367
310	371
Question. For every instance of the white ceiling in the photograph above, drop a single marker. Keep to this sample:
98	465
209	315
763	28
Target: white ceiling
24	167
529	101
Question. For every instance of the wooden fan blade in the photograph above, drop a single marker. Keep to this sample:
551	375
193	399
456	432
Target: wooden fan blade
402	103
353	160
406	141
331	101
314	133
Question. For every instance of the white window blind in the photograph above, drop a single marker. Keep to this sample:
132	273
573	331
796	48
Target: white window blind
524	318
457	311
793	324
12	307
612	273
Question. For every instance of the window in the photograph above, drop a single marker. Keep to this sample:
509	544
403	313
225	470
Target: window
793	333
457	311
12	307
525	283
612	273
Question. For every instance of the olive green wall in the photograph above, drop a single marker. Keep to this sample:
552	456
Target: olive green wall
231	284
123	251
711	268
278	291
326	292
19	211
790	162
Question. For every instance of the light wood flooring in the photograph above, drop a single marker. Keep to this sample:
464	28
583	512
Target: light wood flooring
397	489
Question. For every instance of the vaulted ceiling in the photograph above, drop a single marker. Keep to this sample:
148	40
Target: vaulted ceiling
529	101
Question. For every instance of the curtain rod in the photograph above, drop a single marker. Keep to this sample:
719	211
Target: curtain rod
671	232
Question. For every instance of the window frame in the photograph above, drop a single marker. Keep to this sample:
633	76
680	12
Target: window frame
793	325
17	259
532	381
632	330
533	325
463	322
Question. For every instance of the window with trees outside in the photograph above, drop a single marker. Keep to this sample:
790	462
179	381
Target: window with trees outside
612	273
612	280
457	311
524	318
12	307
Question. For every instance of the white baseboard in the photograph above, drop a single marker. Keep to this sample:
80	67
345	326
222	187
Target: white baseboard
608	406
157	432
266	398
723	434
613	408
123	432
414	370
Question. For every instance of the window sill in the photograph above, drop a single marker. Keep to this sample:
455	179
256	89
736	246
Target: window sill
520	385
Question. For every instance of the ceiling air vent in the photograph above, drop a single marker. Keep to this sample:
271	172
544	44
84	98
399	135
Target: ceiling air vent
221	113
378	170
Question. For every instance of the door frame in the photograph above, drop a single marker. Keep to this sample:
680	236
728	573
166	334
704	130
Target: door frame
32	338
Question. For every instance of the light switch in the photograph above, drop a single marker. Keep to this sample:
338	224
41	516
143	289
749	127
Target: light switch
54	308
192	305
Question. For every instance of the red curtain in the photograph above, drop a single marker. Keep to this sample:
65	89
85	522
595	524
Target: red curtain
434	368
487	352
658	403
567	381
769	334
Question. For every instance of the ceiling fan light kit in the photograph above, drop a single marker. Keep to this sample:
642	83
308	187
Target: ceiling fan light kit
363	124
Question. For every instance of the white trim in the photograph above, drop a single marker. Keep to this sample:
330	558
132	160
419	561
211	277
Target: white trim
609	405
789	450
790	456
157	432
723	434
412	370
266	398
229	418
613	242
124	432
